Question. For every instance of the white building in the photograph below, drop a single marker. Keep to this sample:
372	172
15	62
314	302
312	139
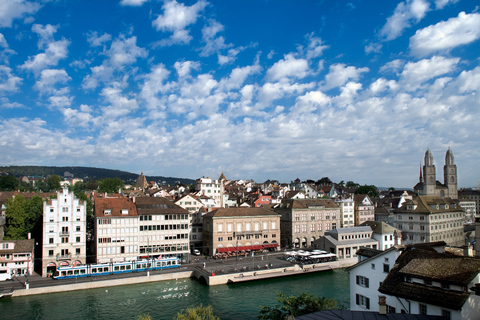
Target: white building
211	188
16	258
386	235
64	232
116	229
470	208
347	211
367	274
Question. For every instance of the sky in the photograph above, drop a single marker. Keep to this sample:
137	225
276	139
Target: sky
351	90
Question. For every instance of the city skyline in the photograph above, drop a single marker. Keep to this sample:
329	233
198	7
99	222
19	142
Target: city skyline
352	90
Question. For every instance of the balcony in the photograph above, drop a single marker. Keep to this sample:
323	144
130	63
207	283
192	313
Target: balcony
64	233
64	257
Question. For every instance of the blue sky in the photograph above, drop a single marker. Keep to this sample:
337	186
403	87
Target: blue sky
352	90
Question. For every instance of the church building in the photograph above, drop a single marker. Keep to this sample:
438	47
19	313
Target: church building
428	184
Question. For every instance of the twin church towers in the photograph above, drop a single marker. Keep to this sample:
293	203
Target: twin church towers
428	184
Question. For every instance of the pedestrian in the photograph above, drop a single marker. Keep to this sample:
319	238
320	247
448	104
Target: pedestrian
204	265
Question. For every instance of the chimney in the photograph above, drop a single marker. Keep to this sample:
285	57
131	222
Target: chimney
29	236
382	305
467	251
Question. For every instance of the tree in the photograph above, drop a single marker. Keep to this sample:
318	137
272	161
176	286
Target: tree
352	184
23	217
303	304
110	185
197	313
42	186
91	185
8	183
54	182
371	191
324	180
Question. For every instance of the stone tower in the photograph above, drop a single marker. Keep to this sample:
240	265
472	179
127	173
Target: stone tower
429	179
450	175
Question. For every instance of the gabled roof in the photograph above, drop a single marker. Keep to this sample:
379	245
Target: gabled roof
309	203
426	204
21	246
381	227
432	266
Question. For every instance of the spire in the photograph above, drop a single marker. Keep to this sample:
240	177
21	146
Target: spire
420	179
449	157
428	158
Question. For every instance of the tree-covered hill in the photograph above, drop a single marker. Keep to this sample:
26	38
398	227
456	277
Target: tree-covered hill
86	173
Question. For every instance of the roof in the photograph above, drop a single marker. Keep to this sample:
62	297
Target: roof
424	205
116	205
381	227
240	212
362	315
351	230
433	266
309	203
368	252
361	242
157	205
371	253
21	246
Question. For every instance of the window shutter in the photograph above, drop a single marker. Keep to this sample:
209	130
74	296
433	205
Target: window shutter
367	303
366	282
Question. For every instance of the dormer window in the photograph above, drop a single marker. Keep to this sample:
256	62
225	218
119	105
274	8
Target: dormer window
124	211
107	212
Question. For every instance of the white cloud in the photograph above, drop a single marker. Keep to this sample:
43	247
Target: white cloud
339	74
124	51
406	13
60	101
288	67
49	78
184	68
78	118
3	42
213	43
155	83
315	47
440	4
8	82
393	66
54	50
446	35
373	47
100	74
175	18
134	3
96	41
118	104
416	73
16	9
382	84
311	101
469	81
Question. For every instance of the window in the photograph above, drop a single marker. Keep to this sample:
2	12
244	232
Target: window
362	281
64	219
220	238
50	240
65	240
422	309
50	253
386	268
373	266
363	301
78	228
390	309
78	239
65	209
446	314
220	227
77	251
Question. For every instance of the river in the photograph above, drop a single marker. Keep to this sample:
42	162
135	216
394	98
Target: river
163	300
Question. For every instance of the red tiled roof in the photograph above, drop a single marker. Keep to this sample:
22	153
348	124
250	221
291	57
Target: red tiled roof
116	205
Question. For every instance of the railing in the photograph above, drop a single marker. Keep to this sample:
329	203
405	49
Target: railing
64	257
64	233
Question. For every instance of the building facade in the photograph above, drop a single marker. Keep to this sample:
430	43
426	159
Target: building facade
16	258
347	211
163	228
116	230
211	188
364	209
232	229
303	221
430	219
64	232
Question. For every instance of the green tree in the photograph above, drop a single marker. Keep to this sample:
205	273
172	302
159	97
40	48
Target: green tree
54	182
303	304
42	185
352	184
91	185
197	313
110	185
371	191
8	183
23	217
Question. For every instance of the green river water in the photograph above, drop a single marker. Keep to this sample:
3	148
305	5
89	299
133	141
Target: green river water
162	300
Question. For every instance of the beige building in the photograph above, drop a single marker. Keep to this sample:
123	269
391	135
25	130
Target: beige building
64	232
364	209
226	229
430	219
163	228
116	230
305	220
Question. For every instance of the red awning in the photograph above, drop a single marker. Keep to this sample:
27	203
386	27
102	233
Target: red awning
228	249
64	263
271	245
51	264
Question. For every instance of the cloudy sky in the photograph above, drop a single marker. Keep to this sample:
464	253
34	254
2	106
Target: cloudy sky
353	90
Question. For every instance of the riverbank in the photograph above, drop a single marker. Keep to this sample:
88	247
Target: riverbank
214	274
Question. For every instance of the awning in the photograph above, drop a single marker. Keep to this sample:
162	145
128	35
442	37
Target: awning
228	249
271	245
51	264
64	263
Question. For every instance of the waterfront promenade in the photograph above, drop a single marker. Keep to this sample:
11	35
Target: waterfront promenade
208	271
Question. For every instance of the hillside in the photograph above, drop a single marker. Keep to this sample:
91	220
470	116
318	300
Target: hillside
86	173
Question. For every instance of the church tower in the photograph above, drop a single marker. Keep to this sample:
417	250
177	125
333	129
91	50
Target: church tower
429	179
450	175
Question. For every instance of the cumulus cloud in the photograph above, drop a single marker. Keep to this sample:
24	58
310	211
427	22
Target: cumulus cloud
315	46
446	35
54	50
416	73
289	67
339	74
175	18
405	14
49	78
124	51
8	82
133	3
16	9
96	41
440	4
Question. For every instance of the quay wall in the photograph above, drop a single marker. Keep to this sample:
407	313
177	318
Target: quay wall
103	284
